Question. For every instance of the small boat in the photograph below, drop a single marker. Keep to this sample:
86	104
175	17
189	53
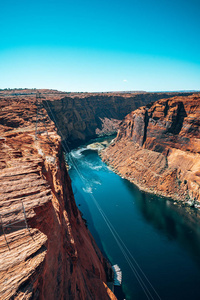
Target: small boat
117	275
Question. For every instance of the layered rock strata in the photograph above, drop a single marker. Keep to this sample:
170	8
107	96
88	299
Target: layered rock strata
46	251
89	115
158	148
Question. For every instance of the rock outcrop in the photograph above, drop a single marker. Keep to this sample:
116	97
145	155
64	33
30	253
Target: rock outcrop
85	116
46	251
158	148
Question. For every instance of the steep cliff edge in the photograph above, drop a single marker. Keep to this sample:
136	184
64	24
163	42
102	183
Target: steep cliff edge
89	115
46	251
158	148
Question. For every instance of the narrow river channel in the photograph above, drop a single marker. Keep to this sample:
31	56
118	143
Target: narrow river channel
163	238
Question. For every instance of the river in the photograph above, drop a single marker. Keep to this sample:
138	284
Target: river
155	242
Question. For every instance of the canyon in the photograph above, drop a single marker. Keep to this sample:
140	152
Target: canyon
46	250
84	116
158	148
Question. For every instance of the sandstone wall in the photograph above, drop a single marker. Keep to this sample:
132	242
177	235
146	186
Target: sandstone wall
83	118
158	148
55	257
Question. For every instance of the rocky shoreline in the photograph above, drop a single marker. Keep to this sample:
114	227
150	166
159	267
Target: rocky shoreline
177	201
155	161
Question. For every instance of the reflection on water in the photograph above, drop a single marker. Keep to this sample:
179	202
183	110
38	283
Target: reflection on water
164	238
176	222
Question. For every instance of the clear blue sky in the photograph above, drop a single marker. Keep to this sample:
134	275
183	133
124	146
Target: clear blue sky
105	45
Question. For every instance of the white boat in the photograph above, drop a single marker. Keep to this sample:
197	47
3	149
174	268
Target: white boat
117	275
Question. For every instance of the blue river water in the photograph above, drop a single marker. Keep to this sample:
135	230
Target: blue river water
155	242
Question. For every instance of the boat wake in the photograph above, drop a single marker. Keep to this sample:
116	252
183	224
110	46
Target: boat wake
77	153
87	190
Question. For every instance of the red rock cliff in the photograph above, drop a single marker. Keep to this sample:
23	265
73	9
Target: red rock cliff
158	148
87	116
46	251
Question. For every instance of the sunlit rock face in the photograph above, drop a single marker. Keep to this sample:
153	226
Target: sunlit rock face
85	116
158	148
46	251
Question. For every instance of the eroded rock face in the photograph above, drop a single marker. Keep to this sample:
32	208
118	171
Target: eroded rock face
46	251
90	115
158	148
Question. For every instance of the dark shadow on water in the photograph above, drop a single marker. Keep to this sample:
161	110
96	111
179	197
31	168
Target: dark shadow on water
119	293
174	221
83	207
